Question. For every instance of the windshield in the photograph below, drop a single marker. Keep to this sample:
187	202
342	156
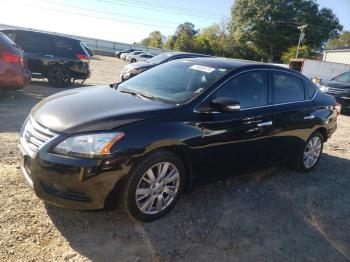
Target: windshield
176	82
159	58
345	77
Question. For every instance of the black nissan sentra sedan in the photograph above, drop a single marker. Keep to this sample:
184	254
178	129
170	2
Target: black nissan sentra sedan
143	142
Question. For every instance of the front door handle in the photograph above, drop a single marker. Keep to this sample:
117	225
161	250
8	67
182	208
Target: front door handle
268	123
309	117
49	56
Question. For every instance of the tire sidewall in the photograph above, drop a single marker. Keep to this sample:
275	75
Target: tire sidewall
138	172
301	158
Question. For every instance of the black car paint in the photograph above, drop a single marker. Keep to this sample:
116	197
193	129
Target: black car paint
211	145
340	91
41	60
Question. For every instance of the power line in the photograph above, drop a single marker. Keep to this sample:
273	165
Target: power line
164	6
157	9
105	12
98	17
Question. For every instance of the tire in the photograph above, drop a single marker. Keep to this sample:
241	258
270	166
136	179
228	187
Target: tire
59	76
133	61
154	198
301	164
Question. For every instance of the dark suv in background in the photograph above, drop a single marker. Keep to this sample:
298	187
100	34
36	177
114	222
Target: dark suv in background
57	58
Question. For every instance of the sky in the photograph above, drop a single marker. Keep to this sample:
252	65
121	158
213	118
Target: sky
127	20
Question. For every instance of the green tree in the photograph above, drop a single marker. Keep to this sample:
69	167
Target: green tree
200	44
170	42
271	25
342	40
154	39
304	52
184	35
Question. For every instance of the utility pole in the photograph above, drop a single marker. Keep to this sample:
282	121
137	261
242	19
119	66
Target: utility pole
301	37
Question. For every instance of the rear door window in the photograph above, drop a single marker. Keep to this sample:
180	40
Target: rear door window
34	42
287	88
249	89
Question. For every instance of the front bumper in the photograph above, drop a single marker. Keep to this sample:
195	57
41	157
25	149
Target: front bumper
83	184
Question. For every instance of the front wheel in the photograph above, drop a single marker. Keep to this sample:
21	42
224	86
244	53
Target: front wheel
310	154
153	186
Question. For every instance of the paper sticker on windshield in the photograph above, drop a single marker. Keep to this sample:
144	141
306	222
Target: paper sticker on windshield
203	68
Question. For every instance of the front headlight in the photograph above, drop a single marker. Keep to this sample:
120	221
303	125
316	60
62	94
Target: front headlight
89	146
324	88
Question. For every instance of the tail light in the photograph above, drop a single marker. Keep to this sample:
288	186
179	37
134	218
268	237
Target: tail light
83	58
12	58
337	108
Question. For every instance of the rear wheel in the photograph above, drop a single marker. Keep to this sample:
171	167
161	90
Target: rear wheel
153	186
133	60
59	76
311	153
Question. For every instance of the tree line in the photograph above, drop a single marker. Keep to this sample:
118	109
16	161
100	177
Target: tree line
261	30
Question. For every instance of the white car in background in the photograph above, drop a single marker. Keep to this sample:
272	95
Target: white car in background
143	57
123	55
132	53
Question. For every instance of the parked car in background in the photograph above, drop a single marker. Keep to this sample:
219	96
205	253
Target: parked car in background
143	142
119	53
57	58
128	55
14	73
143	57
124	55
139	67
339	87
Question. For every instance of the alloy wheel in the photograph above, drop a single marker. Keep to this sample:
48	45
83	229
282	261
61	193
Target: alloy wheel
157	188
312	152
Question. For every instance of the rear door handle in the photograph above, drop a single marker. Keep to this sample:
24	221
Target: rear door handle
268	123
309	117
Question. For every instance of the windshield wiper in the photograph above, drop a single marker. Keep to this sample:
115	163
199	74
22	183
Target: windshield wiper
137	94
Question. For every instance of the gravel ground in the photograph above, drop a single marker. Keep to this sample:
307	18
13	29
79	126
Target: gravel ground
271	215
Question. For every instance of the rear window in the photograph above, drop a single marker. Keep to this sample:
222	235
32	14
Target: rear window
310	89
6	41
287	88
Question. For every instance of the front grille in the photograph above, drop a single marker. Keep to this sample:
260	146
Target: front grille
337	91
33	136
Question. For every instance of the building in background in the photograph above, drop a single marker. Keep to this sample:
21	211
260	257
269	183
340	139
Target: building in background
337	55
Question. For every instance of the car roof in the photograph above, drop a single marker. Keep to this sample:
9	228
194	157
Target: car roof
43	33
231	63
176	53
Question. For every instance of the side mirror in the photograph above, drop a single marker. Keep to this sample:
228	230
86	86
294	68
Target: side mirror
225	104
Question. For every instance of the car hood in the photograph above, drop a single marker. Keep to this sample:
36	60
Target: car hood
138	65
335	84
95	109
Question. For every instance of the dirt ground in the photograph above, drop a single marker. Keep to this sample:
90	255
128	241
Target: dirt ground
271	215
